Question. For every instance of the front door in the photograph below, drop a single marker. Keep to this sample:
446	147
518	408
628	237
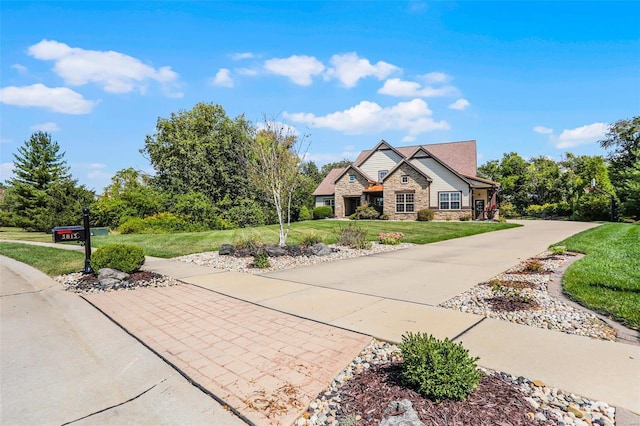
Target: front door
480	209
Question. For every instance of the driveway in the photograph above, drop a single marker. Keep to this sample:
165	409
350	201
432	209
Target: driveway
432	273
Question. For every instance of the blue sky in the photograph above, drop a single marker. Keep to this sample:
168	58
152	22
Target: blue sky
537	78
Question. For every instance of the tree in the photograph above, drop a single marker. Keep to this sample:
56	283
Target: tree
42	194
512	172
544	183
623	139
581	169
274	164
200	150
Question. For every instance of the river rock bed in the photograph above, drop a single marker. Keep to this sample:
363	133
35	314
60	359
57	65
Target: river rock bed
78	282
546	405
523	283
244	264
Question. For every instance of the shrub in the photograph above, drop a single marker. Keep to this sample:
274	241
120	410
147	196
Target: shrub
246	213
465	218
425	215
247	241
133	225
508	210
365	211
392	238
123	257
384	216
322	212
311	239
261	260
438	369
353	236
304	213
168	222
558	249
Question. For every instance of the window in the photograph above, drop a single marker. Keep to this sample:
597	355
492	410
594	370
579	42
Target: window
382	174
404	203
378	201
450	200
329	202
405	179
352	178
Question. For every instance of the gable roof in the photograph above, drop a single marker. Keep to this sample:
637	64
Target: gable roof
364	155
460	156
442	163
404	161
356	169
327	186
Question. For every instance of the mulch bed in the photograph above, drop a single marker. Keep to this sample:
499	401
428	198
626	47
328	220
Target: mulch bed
134	278
495	402
510	303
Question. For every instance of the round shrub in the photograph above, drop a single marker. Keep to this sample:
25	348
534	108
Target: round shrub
425	215
123	257
322	212
304	213
438	369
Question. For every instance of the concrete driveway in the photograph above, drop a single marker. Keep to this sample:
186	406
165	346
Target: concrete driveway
432	273
64	362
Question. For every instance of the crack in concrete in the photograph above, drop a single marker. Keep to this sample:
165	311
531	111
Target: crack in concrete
28	292
116	405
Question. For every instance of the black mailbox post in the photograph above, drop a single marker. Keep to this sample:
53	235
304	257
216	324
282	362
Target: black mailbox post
62	234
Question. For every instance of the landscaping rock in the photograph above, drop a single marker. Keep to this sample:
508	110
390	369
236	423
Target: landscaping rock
401	413
294	251
319	249
274	251
226	250
106	273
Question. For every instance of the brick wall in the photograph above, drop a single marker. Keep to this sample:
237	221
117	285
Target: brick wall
344	188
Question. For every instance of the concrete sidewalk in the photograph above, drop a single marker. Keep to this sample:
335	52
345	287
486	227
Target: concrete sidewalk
63	361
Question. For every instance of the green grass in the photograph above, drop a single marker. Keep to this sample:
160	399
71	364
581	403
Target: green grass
171	245
49	260
607	279
18	234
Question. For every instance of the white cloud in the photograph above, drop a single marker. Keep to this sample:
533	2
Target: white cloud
222	78
570	138
246	71
300	69
543	130
113	71
435	77
412	89
349	68
461	104
242	55
20	68
370	118
58	99
6	171
49	126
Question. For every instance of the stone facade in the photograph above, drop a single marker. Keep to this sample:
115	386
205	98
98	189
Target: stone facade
344	188
451	214
416	183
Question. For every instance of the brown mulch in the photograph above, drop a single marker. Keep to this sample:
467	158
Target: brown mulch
511	284
495	402
511	303
135	277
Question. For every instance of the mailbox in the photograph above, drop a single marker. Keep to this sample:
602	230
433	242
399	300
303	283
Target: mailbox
63	234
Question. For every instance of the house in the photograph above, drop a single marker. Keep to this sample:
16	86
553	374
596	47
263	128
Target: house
400	181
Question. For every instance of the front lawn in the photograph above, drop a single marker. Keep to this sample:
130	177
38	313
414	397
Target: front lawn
607	280
51	261
171	245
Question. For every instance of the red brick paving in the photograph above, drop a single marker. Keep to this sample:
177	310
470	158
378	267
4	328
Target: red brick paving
236	350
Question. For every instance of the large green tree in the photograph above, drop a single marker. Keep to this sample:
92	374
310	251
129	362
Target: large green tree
42	193
623	141
200	150
512	172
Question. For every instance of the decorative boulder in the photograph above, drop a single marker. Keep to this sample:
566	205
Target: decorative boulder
319	249
226	250
294	251
106	273
274	251
400	413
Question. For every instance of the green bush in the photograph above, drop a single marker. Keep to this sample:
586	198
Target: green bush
465	218
425	215
322	212
558	249
311	239
438	369
246	213
508	210
353	236
123	257
160	223
247	241
261	260
365	211
304	213
133	225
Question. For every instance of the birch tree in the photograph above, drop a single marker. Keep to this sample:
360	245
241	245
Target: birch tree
274	164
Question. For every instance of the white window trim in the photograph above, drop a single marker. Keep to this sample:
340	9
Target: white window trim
380	172
404	179
404	203
449	201
352	178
